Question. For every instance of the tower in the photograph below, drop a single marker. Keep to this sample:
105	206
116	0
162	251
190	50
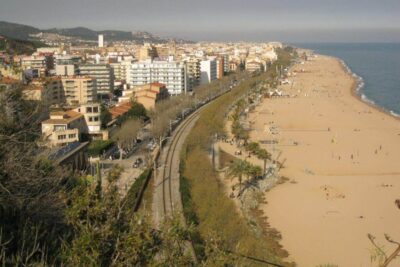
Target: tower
101	40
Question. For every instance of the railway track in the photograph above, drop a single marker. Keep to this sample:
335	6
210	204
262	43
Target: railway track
170	172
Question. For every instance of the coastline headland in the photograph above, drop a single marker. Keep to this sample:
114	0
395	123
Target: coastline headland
341	155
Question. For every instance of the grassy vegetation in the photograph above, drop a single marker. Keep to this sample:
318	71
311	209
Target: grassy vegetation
225	159
97	147
204	199
132	196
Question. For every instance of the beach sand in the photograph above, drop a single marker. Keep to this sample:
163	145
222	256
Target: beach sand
343	159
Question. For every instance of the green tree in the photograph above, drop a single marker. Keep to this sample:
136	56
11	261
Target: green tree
238	169
253	147
137	111
105	116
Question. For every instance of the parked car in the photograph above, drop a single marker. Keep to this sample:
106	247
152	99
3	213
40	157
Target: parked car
137	163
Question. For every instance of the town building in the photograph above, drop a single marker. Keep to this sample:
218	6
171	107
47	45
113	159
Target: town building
208	70
48	90
79	89
37	64
63	127
147	51
101	41
193	72
103	74
67	65
72	125
150	94
170	73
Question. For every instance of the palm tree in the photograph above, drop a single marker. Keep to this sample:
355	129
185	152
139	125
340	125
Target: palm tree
253	147
254	171
237	169
264	155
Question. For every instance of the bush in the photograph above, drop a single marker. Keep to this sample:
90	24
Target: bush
97	147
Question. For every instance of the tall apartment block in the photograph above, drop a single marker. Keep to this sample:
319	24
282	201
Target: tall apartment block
208	70
103	74
79	90
101	40
193	72
170	73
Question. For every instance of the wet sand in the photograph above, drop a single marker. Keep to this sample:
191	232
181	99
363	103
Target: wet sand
343	159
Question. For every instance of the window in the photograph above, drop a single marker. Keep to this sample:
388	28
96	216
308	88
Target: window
60	127
96	118
71	135
89	109
95	109
62	137
90	119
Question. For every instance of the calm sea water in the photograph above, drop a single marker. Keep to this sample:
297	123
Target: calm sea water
378	65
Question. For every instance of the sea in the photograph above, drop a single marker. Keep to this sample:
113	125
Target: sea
375	65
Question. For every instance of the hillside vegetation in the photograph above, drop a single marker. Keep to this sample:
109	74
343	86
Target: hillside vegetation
205	202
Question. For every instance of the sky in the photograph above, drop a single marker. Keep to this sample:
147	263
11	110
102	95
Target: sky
220	20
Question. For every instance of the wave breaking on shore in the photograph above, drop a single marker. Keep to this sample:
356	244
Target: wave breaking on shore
358	91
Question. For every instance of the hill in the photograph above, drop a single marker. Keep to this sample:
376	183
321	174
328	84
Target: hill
17	31
24	32
18	47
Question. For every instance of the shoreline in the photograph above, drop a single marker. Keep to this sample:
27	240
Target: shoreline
358	86
355	188
357	90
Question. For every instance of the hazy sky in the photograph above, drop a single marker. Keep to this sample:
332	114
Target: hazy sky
257	20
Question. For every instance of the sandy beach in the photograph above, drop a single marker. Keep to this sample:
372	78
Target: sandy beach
343	159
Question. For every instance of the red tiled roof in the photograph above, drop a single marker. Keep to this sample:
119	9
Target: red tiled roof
120	110
158	84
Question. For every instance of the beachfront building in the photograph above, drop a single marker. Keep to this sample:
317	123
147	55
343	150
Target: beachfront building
104	77
193	72
254	65
170	73
79	89
208	70
220	67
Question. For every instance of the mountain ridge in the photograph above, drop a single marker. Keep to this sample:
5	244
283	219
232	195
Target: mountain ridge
25	32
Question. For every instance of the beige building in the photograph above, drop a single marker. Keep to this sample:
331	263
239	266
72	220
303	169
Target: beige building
147	51
63	127
148	95
254	65
79	89
47	90
193	72
91	114
68	126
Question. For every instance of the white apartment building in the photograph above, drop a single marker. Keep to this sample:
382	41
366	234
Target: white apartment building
101	40
35	62
208	70
170	73
67	65
121	71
